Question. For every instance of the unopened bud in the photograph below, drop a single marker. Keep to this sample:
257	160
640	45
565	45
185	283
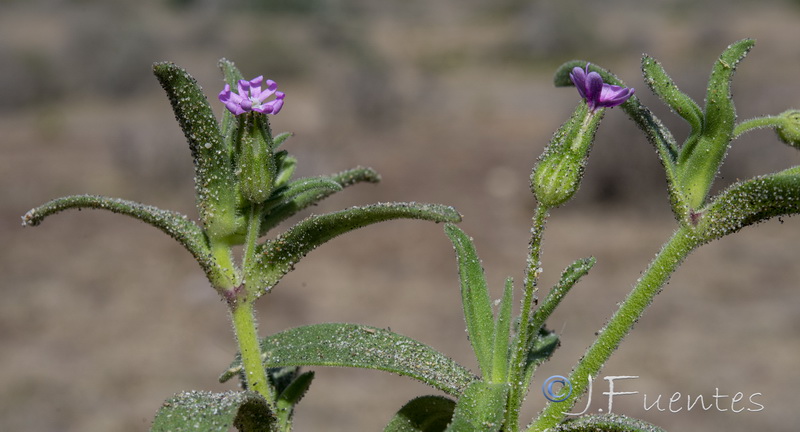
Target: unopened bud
789	128
558	174
255	164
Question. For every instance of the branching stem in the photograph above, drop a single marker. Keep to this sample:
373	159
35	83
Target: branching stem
656	275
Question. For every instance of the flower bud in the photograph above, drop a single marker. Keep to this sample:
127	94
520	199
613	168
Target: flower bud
789	128
255	163
558	174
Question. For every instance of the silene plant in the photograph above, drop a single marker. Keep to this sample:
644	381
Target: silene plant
245	187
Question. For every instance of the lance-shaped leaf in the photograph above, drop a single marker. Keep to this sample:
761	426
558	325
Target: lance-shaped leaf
569	278
700	159
214	412
423	414
606	423
502	333
215	184
359	346
481	408
306	192
277	257
474	298
655	131
291	395
662	85
750	202
174	224
541	349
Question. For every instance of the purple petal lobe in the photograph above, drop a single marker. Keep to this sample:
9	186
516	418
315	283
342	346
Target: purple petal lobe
250	97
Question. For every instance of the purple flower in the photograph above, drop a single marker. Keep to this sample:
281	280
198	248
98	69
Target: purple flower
252	98
597	93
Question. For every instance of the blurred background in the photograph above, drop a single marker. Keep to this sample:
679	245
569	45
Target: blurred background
102	317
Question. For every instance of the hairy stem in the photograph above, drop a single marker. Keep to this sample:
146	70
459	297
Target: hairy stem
756	123
517	367
656	275
244	324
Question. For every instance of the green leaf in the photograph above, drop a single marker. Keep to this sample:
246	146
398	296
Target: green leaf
720	113
295	391
569	278
502	333
657	134
292	395
286	167
174	224
481	408
353	345
289	203
662	85
215	183
475	298
606	423
700	159
214	412
423	414
277	257
541	349
280	138
750	202
294	197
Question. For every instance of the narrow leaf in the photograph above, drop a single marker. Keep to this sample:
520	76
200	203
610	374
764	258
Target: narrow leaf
214	412
294	197
291	396
542	348
662	85
569	278
215	184
423	414
281	138
502	333
174	224
750	202
701	158
296	390
277	257
481	408
474	297
352	345
299	201
606	423
720	113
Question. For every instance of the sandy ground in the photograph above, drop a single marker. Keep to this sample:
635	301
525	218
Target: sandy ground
102	318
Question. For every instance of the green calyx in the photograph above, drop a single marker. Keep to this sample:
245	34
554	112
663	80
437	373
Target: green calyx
788	128
557	176
256	167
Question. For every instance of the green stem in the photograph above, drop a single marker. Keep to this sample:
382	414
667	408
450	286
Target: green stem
253	228
756	123
656	275
244	324
222	255
517	367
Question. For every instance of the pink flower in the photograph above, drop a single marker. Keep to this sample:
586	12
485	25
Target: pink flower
597	93
252	98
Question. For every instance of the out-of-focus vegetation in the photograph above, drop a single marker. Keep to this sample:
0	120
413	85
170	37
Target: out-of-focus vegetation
451	101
